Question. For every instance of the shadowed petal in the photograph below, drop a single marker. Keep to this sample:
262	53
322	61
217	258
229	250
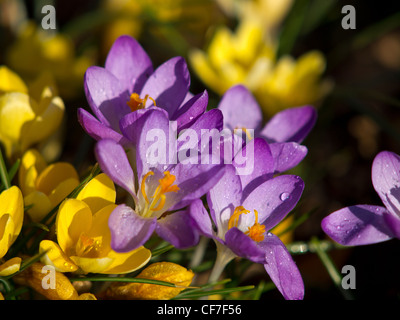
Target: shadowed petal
129	63
290	125
243	246
201	218
96	129
282	269
178	229
224	197
386	180
254	164
129	231
114	162
191	110
168	85
357	225
195	181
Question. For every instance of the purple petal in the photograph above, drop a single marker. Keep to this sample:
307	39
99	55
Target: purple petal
290	125
257	164
287	155
357	225
178	229
224	197
113	161
386	180
96	129
189	112
129	63
201	218
243	246
151	134
129	230
240	109
273	200
282	269
195	181
105	96
393	223
168	85
205	127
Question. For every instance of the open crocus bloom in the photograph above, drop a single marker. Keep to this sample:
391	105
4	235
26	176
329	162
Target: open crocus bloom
284	131
83	236
11	218
368	224
43	186
128	83
240	223
161	186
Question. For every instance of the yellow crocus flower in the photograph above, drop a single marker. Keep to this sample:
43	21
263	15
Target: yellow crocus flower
163	271
44	186
26	118
11	218
248	57
49	51
83	237
63	288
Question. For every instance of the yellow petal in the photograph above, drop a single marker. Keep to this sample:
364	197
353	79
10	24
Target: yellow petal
6	232
32	163
93	265
42	85
62	191
55	174
34	278
129	261
10	267
11	202
44	124
164	271
101	230
73	218
15	113
205	71
41	205
10	81
87	296
55	257
98	193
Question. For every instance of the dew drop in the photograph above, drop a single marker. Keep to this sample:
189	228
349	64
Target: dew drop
284	196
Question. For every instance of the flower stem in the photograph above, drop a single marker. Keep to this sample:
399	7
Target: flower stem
224	256
199	252
3	172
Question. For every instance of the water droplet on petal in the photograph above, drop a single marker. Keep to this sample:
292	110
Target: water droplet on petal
284	196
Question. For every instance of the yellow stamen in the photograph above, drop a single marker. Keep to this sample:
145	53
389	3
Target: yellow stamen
255	232
234	219
143	185
136	103
88	246
166	184
245	131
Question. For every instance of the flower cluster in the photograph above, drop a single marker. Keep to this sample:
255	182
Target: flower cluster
130	100
166	189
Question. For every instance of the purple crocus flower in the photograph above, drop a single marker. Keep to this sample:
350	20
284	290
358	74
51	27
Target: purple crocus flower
240	222
368	224
155	186
128	83
284	131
